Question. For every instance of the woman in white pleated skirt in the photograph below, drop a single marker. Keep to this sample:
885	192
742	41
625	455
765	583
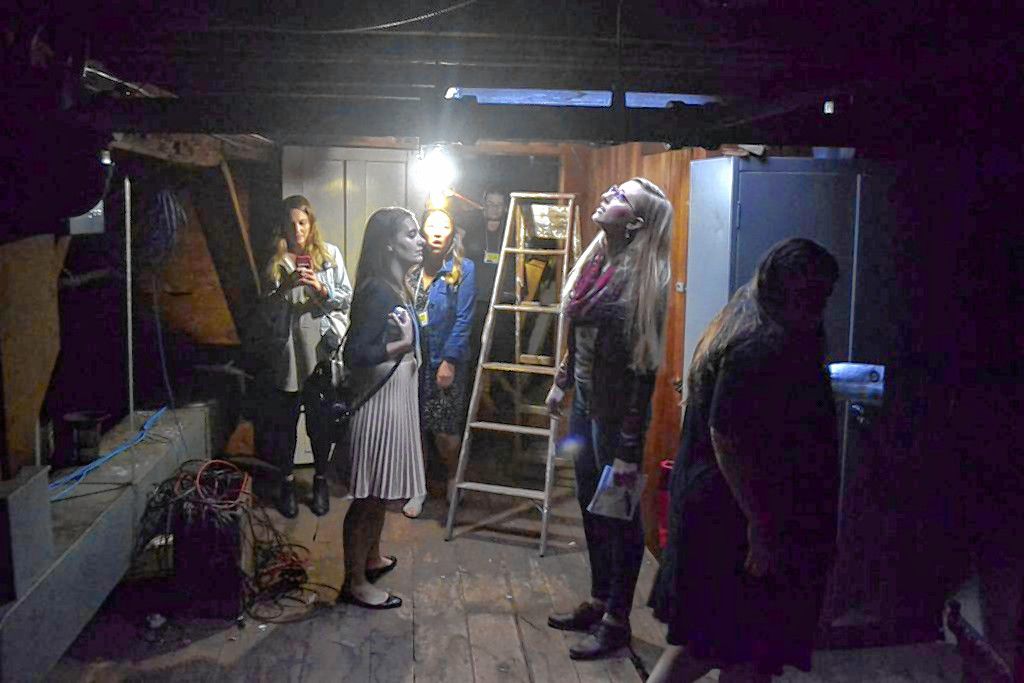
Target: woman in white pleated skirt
384	438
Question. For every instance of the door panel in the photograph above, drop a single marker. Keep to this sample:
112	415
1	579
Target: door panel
818	206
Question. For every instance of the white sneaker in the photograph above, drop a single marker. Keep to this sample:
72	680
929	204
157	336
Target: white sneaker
414	507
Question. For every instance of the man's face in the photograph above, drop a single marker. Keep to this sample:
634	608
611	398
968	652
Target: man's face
494	206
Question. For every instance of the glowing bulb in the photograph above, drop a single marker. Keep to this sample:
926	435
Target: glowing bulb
436	172
437	199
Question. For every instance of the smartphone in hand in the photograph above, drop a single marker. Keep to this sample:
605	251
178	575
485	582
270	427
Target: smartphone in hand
304	261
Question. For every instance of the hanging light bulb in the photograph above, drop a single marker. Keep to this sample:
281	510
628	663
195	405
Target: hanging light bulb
435	172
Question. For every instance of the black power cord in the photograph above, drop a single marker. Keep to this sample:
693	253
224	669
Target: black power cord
217	492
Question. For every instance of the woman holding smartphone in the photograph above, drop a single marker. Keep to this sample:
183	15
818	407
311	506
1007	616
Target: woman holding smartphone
310	274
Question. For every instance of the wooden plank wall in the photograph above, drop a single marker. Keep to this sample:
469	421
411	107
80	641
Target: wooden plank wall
29	338
192	300
589	172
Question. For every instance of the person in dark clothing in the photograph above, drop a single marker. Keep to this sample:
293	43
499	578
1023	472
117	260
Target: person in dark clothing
754	493
482	242
615	300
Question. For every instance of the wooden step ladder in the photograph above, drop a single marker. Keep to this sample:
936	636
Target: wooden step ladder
527	218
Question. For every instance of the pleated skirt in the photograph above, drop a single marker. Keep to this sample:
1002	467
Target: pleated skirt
385	447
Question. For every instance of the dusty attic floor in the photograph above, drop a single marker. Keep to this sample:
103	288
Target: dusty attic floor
475	611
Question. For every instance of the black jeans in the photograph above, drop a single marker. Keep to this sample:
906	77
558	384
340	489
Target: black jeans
277	430
615	546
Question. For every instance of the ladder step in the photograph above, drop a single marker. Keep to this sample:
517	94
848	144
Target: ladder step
525	308
534	410
521	367
535	252
531	359
501	490
514	429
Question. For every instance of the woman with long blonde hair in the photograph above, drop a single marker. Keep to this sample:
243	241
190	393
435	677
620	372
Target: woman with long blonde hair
615	300
310	275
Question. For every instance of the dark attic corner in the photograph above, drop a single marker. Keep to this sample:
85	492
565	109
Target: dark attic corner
525	341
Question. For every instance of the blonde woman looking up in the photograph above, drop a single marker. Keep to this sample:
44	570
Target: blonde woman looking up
310	274
615	300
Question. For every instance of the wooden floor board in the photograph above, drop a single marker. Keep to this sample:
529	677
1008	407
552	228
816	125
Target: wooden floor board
440	627
496	648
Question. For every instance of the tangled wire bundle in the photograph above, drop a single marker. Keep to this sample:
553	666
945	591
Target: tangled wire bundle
217	492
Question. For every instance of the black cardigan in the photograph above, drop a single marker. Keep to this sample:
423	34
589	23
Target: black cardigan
369	331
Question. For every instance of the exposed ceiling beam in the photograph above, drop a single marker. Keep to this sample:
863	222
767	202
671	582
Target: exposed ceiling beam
455	121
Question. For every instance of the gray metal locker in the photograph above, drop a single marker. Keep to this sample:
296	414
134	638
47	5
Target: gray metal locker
738	209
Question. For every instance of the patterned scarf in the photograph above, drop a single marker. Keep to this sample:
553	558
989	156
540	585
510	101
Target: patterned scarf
594	296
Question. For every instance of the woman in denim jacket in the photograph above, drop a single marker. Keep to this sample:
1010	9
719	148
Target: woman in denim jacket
445	292
310	274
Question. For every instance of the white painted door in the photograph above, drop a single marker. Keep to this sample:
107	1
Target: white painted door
345	185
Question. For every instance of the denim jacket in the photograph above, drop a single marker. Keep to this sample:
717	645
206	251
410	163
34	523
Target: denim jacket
450	315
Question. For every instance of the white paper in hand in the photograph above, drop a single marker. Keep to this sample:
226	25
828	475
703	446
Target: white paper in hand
616	500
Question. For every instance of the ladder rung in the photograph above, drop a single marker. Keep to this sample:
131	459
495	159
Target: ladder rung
501	490
543	195
527	309
534	410
531	359
514	429
522	367
535	252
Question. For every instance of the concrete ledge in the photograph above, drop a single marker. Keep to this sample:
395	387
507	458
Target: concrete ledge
26	534
94	531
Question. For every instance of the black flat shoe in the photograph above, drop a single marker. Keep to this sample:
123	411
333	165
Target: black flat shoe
604	639
392	602
321	503
286	503
373	574
582	618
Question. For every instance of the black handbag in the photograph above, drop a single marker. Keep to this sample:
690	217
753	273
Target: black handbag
329	390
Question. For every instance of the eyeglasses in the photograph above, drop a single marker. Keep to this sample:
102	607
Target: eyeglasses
616	192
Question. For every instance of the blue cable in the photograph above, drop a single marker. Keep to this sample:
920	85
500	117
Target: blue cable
70	481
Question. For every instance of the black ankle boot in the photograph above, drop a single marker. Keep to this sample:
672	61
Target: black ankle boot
583	618
321	502
286	503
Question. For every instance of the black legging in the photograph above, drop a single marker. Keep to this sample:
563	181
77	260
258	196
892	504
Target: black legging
277	426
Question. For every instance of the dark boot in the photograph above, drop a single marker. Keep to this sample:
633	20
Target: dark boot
321	502
286	503
582	618
604	639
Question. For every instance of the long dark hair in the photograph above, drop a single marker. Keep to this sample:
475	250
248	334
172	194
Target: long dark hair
752	318
374	258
